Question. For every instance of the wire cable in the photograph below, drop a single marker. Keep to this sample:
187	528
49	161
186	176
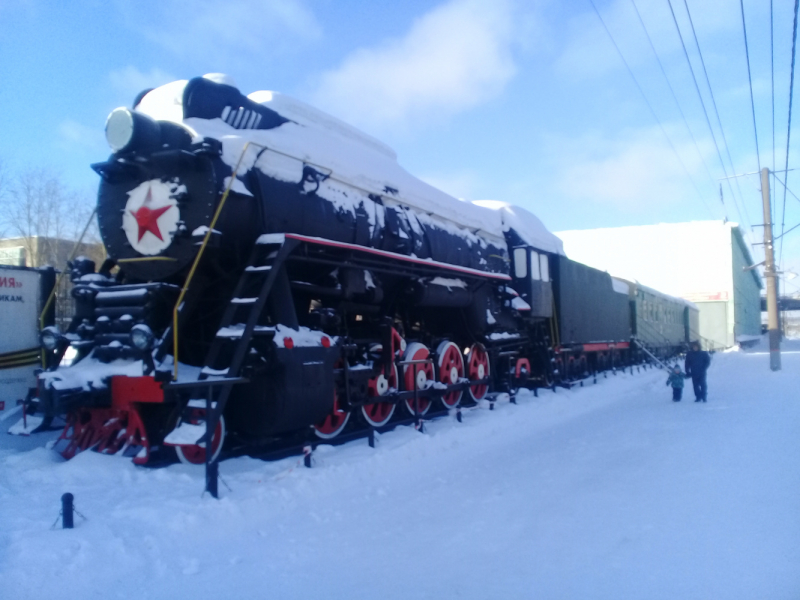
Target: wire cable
649	106
786	189
772	79
788	127
675	98
746	218
750	81
703	104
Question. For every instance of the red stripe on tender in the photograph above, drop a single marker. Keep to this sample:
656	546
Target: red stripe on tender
419	261
605	346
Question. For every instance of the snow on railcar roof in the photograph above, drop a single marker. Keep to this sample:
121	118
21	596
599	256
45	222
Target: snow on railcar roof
653	291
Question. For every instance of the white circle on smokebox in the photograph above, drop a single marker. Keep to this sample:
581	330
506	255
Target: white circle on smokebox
155	196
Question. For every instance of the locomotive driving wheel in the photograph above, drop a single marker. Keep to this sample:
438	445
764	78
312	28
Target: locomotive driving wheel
336	421
478	368
424	375
378	414
450	369
195	454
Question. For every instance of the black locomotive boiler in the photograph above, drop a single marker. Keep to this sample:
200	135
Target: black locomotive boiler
274	272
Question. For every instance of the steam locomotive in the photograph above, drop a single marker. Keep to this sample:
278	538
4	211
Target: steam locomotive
274	272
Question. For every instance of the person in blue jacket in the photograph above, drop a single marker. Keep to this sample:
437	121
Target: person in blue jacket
675	379
697	362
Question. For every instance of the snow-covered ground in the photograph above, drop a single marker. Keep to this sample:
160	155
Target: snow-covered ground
611	492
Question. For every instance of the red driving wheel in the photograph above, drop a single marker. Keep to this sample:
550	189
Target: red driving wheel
451	370
478	368
378	414
424	375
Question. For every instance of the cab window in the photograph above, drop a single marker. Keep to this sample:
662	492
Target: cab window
535	275
520	264
544	267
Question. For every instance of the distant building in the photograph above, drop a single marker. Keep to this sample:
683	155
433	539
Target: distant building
700	261
40	251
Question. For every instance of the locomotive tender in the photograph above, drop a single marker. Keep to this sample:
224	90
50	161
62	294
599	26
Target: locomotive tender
279	272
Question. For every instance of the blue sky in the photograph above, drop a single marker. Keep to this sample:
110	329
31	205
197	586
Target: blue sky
523	101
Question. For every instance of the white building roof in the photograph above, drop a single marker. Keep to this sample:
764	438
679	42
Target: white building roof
691	260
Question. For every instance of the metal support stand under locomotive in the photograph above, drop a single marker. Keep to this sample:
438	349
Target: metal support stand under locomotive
273	273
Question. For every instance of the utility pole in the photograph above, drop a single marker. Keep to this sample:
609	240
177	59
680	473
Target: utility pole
771	276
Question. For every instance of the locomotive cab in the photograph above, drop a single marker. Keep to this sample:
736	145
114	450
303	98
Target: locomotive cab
531	269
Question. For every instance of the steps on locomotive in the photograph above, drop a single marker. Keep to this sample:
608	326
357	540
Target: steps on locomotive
239	323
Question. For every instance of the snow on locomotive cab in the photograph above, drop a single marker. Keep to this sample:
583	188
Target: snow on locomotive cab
279	274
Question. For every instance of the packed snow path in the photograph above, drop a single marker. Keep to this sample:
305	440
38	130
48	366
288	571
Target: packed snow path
610	492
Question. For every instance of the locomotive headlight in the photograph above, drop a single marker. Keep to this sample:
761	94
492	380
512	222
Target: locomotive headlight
129	130
119	128
142	337
49	338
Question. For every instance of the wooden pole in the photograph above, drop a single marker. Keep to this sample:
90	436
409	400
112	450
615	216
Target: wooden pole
772	279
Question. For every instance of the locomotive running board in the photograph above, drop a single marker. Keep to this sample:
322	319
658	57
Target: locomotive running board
272	238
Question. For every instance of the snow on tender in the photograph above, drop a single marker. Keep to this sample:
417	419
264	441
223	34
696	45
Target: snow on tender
607	491
526	224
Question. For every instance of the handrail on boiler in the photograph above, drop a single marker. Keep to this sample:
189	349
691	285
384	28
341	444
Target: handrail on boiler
199	255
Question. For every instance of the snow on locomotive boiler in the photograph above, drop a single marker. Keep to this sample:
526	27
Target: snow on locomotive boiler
278	273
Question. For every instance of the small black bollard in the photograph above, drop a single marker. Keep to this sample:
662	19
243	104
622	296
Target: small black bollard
491	405
581	382
458	415
307	452
535	392
67	508
371	437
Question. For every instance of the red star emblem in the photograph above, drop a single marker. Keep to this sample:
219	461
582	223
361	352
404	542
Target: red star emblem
147	218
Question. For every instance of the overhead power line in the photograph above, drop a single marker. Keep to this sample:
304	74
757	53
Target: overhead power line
649	106
675	98
789	125
703	104
772	80
746	218
786	189
750	81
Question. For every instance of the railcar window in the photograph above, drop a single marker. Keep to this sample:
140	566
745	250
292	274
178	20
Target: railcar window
545	267
520	264
535	274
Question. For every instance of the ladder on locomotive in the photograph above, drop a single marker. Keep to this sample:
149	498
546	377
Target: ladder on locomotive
239	324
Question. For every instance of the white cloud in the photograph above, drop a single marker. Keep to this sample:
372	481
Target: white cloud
634	171
72	135
461	184
129	81
218	32
588	52
453	58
